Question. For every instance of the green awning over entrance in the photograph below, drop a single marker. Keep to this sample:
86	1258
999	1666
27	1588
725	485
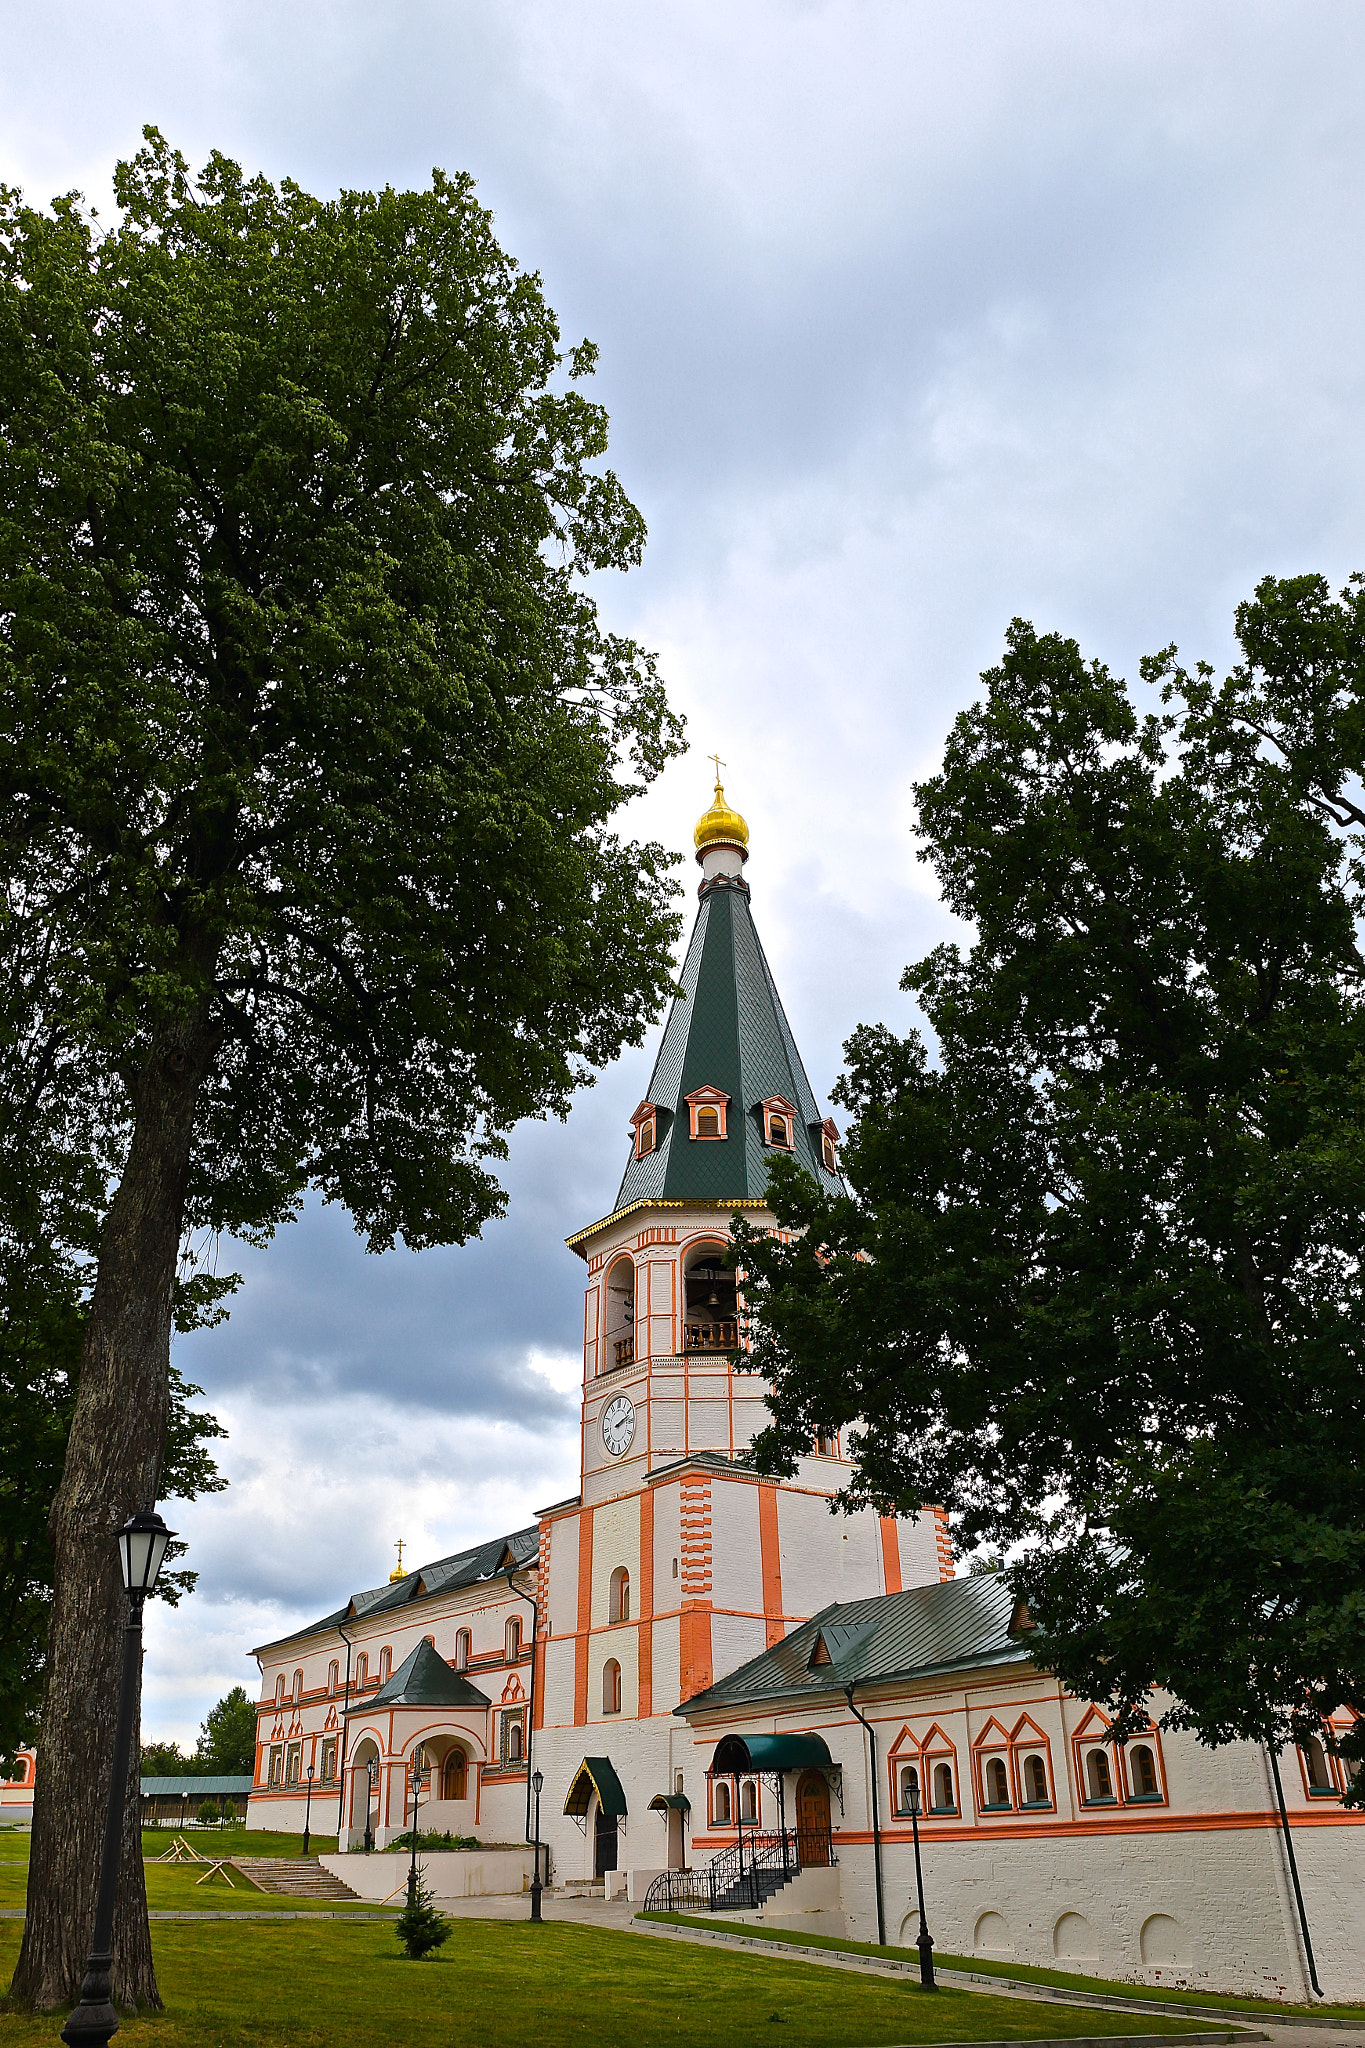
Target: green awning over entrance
770	1753
664	1802
595	1774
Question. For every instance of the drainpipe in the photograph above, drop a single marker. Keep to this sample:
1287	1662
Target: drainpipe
1273	1754
534	1606
876	1815
345	1732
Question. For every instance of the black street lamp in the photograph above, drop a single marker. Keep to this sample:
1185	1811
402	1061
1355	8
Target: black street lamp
307	1808
537	1786
142	1545
420	1775
924	1941
371	1780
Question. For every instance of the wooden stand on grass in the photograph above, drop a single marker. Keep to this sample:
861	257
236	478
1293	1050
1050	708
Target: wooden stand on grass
218	1869
181	1852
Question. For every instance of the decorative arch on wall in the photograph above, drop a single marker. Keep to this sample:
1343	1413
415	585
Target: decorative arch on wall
991	1769
1030	1755
939	1752
618	1595
905	1767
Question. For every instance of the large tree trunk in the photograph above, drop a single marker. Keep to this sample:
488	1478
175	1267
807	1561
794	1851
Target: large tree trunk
113	1467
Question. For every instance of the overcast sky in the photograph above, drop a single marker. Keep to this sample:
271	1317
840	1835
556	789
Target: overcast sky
912	319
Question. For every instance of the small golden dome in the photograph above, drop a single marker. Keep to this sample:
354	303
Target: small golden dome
720	826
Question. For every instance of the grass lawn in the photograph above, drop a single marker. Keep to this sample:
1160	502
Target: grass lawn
327	1985
1023	1972
239	1841
173	1887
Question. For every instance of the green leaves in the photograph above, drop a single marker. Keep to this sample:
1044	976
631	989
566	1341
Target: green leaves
1099	1288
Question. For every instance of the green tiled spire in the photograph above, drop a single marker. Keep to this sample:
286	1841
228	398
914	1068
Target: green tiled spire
726	1030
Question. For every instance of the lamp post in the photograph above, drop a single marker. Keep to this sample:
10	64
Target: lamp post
307	1808
420	1774
371	1780
142	1545
924	1941
537	1786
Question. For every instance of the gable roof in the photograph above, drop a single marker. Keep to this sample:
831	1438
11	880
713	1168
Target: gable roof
466	1568
727	1030
423	1679
957	1626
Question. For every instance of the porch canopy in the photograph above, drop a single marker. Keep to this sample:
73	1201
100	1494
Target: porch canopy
666	1802
595	1774
738	1754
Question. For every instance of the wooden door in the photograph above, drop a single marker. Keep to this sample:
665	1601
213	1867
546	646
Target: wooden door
812	1819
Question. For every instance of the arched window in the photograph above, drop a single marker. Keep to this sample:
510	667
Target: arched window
826	1444
708	1121
943	1788
1315	1762
385	1663
461	1649
453	1775
513	1638
646	1143
779	1131
515	1739
720	1802
748	1799
1098	1783
362	1670
997	1782
333	1676
907	1785
298	1686
1035	1782
1142	1764
828	1153
611	1687
279	1690
618	1603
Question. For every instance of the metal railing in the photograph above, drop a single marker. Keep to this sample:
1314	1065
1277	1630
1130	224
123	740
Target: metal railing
747	1874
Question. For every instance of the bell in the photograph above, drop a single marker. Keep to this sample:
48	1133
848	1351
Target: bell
714	1301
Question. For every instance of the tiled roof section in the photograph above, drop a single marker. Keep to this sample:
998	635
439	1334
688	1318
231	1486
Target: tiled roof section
466	1568
195	1788
726	1030
957	1626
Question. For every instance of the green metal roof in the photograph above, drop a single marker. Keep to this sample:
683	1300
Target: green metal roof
957	1626
670	1802
595	1774
798	1752
423	1680
195	1788
726	1030
466	1568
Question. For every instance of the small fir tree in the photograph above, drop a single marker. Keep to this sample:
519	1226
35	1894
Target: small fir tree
419	1926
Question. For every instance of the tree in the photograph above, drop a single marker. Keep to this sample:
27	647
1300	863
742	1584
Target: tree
1098	1280
421	1927
227	1739
164	1760
309	742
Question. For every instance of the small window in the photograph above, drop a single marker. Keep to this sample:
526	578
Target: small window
461	1649
1098	1784
277	1762
830	1156
1035	1782
720	1802
1145	1783
826	1444
385	1663
675	1567
279	1690
513	1639
1315	1762
779	1132
908	1788
708	1122
677	1781
997	1782
453	1775
618	1602
646	1136
329	1762
333	1677
298	1685
362	1670
944	1801
611	1687
294	1764
515	1739
748	1799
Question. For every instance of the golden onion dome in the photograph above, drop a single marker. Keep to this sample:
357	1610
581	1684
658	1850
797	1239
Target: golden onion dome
720	826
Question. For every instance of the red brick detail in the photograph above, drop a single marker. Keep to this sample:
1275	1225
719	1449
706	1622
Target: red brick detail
580	1659
946	1568
891	1554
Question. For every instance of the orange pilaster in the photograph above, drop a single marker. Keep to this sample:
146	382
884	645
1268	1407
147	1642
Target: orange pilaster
645	1633
770	1561
694	1628
580	1661
891	1554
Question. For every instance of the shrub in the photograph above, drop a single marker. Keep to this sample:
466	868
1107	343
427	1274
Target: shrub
419	1926
209	1812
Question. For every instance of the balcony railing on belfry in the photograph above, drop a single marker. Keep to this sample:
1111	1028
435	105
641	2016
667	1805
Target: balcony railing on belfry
710	1336
625	1351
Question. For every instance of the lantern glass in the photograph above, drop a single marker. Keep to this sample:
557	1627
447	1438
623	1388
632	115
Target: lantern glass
914	1799
537	1782
142	1541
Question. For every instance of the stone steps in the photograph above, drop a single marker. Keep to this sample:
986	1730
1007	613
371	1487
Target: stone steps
298	1877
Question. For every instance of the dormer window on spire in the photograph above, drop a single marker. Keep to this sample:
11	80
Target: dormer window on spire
645	1124
778	1122
706	1111
829	1144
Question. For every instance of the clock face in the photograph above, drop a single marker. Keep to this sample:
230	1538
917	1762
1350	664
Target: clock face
618	1425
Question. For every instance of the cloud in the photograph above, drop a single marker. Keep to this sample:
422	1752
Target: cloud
912	320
